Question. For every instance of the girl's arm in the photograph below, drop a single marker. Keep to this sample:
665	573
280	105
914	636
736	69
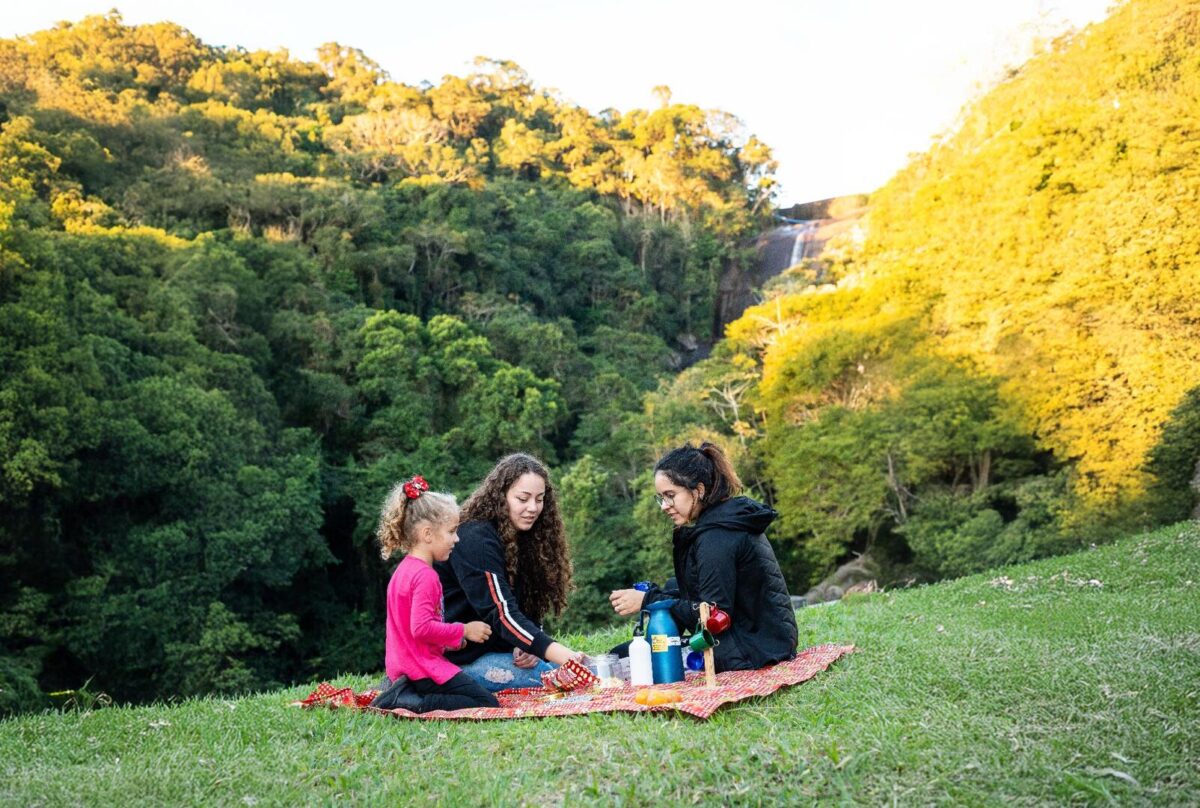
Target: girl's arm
425	619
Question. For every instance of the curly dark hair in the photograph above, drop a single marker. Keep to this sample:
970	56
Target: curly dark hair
538	557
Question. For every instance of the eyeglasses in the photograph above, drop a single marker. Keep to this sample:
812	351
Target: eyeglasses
664	499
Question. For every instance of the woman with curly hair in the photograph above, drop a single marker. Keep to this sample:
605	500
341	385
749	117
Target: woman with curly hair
510	570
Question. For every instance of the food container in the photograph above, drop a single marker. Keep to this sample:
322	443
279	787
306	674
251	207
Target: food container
571	675
607	670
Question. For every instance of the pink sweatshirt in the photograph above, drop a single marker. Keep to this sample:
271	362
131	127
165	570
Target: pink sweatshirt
416	635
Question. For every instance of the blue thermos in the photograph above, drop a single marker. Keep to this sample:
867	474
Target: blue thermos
663	636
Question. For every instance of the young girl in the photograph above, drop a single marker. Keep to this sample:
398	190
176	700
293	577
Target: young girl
422	524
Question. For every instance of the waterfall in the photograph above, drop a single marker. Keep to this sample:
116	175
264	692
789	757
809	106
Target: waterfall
800	236
803	231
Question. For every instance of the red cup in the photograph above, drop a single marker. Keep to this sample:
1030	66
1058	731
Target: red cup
718	621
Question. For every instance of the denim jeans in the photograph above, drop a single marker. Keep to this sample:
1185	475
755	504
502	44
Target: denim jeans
496	672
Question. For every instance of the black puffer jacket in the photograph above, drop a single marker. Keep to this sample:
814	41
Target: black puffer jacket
725	559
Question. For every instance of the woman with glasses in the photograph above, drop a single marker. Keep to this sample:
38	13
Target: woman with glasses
722	558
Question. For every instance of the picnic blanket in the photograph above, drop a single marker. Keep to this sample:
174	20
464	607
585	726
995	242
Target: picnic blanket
537	702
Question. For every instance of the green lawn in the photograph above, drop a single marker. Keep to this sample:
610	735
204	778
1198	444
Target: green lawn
1069	680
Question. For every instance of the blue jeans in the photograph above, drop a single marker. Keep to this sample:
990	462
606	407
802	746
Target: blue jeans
496	672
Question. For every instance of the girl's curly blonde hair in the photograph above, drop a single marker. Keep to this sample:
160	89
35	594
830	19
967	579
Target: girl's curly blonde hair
538	558
400	516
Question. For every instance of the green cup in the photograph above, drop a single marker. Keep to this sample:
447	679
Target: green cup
702	640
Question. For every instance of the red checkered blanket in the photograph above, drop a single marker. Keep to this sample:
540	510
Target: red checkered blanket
536	702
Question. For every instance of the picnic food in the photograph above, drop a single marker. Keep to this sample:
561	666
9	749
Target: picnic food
570	676
652	698
605	668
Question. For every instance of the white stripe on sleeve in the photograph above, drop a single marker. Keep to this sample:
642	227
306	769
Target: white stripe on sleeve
513	625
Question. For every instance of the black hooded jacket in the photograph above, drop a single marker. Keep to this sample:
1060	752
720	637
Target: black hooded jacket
725	559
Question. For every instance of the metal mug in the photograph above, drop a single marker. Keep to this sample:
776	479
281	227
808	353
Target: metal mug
702	640
718	620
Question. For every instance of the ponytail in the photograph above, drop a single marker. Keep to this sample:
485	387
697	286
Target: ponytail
707	465
726	482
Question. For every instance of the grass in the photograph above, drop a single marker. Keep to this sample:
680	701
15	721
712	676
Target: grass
1069	680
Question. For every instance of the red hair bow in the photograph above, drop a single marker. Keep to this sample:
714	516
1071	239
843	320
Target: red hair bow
415	487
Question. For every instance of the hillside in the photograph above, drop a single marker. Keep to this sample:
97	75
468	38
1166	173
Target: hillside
1068	680
242	293
1008	366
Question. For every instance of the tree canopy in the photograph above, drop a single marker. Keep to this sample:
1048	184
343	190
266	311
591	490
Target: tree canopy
241	294
1006	365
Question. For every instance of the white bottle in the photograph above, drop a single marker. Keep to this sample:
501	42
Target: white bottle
640	671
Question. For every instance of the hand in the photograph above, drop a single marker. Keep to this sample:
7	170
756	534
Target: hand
627	602
477	631
559	654
524	659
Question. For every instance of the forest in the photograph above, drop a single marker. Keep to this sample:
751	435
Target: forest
241	294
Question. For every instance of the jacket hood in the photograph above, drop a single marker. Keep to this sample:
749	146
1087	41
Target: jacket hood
736	513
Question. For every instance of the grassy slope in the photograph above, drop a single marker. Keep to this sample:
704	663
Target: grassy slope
1048	689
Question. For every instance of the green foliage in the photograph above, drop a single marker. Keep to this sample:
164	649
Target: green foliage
1175	462
602	549
867	432
436	402
1002	369
241	294
152	481
1050	231
19	691
956	535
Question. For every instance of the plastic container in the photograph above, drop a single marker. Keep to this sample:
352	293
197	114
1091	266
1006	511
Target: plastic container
641	670
606	669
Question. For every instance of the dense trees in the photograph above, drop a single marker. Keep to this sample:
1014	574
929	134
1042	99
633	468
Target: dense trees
1003	367
242	293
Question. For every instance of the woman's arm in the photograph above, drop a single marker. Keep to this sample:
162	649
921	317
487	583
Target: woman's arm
717	560
628	602
716	563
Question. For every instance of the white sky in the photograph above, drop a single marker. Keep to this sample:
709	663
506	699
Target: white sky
843	91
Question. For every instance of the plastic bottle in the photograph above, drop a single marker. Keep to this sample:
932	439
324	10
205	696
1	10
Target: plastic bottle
640	671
